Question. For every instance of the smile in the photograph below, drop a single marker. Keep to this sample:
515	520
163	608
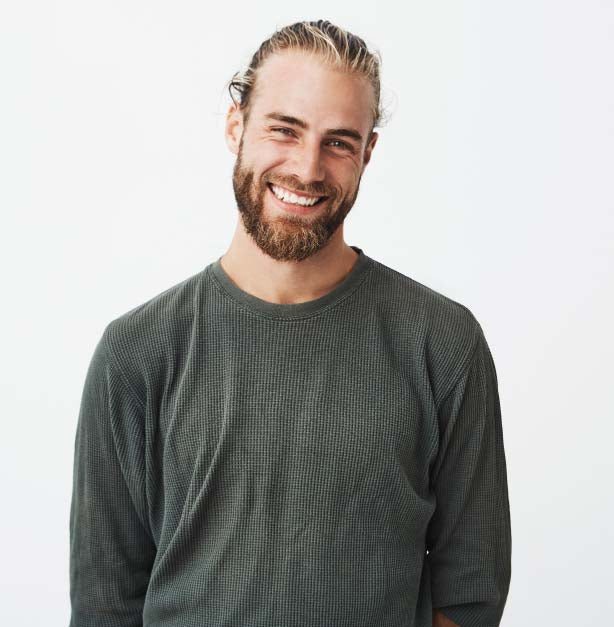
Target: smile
289	197
295	207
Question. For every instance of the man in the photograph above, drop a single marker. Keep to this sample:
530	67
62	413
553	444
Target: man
297	434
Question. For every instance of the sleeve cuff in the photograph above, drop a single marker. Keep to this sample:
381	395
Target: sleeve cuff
473	614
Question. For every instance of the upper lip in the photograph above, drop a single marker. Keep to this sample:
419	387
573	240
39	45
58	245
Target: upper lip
292	191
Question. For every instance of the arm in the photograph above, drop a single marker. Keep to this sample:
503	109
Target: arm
469	535
111	549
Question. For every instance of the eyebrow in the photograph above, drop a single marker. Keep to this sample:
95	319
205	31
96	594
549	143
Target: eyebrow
288	119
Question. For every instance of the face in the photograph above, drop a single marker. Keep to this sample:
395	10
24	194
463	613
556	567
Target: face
307	133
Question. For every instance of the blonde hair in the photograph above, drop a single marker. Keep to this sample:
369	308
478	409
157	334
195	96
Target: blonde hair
336	47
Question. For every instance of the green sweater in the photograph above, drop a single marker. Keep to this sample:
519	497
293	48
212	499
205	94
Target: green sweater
332	463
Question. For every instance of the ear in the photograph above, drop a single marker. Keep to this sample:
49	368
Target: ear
234	128
369	149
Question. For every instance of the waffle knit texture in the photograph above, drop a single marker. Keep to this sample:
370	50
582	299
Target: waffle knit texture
332	463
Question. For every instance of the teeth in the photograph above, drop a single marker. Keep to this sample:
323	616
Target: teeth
282	194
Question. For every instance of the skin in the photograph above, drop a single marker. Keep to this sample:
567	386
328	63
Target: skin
276	255
440	620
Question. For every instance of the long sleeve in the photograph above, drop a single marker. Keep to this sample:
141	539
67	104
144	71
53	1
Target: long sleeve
469	536
111	549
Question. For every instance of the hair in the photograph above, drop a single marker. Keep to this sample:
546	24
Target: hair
336	47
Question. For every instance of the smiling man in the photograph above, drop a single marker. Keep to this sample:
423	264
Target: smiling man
296	435
296	177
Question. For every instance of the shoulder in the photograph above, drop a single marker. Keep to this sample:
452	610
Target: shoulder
442	331
144	340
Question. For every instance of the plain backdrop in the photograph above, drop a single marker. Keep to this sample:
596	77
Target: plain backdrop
492	183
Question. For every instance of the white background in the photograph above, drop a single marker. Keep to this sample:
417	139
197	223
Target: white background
491	183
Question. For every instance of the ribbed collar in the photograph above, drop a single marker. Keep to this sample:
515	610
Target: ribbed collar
297	310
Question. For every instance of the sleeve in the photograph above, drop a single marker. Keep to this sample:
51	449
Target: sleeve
111	548
469	535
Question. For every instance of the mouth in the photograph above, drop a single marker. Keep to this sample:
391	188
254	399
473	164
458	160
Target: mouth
295	207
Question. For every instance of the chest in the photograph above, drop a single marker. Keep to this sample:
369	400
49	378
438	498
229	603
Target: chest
328	426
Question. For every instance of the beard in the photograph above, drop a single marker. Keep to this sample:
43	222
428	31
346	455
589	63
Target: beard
285	237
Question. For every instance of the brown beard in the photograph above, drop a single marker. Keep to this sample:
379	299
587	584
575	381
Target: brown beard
285	238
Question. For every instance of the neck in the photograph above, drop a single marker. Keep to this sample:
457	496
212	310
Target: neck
287	282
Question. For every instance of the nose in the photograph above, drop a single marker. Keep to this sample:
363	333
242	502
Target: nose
307	163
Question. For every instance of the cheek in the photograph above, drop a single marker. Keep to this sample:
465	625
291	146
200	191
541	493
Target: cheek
269	161
272	150
346	183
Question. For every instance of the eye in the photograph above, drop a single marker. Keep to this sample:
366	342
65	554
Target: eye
342	144
283	130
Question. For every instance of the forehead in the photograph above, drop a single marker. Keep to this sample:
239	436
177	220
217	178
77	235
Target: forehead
302	86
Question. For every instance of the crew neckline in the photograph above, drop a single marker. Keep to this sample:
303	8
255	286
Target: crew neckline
293	310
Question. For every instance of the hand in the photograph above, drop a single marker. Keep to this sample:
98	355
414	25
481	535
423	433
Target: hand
440	620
